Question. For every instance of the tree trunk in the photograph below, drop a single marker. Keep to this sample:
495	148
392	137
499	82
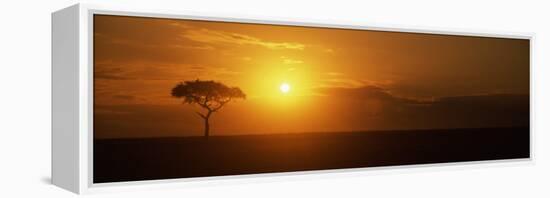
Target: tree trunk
207	125
206	128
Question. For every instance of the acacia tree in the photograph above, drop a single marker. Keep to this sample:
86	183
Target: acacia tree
209	95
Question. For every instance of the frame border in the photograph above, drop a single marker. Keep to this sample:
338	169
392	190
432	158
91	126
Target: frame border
86	102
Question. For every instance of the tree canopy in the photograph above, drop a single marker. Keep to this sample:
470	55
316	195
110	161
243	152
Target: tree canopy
208	94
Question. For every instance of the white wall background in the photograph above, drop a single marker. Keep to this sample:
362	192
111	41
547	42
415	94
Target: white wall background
25	99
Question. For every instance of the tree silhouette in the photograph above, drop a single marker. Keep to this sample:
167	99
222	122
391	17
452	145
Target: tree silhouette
209	95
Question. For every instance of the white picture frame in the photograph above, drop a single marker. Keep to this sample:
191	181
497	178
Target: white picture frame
72	98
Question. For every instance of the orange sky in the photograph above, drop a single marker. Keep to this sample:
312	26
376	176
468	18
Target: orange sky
341	80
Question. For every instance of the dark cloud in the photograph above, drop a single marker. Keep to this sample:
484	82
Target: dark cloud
479	110
131	39
109	74
386	111
369	93
221	37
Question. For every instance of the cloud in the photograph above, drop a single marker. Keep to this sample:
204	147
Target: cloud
180	25
134	43
368	92
193	47
109	73
220	37
328	50
338	79
485	102
341	82
289	61
159	71
107	111
334	74
383	110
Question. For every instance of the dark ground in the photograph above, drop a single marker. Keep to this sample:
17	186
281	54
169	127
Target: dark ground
163	158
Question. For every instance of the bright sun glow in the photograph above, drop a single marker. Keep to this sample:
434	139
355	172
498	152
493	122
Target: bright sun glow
285	87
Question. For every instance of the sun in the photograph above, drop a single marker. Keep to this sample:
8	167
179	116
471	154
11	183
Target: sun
285	88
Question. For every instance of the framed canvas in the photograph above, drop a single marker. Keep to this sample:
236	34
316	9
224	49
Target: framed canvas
143	97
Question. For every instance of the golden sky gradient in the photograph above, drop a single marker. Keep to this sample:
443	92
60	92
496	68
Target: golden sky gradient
340	80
